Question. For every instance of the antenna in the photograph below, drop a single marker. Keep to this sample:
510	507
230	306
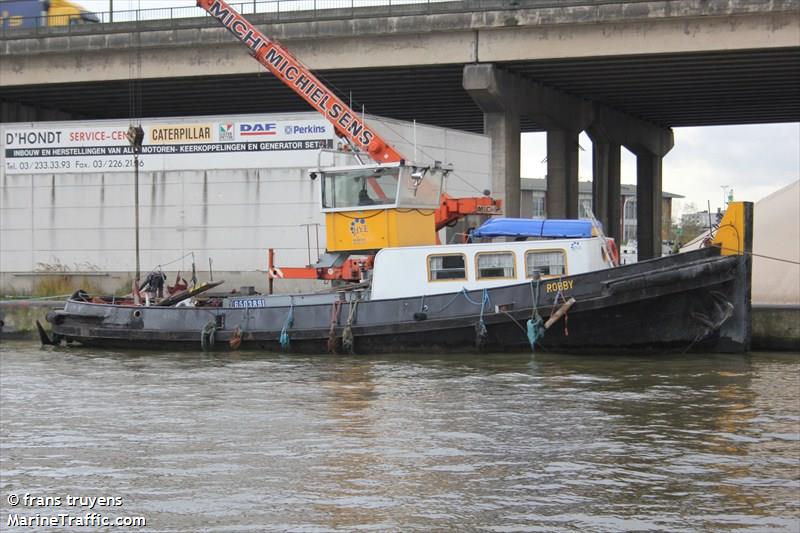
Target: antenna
415	139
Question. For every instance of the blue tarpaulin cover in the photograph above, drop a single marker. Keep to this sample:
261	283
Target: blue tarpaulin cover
526	227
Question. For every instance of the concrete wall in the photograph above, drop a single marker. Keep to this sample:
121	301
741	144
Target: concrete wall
81	224
776	327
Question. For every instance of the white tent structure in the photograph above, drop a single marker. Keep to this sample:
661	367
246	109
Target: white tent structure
776	248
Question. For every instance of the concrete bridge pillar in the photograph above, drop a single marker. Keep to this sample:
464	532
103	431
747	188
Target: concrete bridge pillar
648	205
610	131
606	194
563	116
501	123
504	130
562	174
504	97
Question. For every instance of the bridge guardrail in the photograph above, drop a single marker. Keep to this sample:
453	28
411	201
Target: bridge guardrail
267	11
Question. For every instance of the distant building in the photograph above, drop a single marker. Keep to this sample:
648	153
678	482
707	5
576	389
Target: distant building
700	218
534	192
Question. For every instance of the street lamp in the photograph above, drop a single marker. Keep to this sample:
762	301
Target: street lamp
135	137
724	196
625	235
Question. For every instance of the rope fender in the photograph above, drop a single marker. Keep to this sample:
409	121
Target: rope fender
481	333
333	342
348	341
236	338
284	339
207	336
535	325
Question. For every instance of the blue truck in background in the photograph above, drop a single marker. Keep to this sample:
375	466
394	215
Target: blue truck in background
33	13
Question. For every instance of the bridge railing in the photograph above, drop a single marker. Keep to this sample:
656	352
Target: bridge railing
266	10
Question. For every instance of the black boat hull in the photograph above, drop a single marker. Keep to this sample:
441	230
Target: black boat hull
697	301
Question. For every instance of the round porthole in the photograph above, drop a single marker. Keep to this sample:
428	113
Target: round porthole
137	314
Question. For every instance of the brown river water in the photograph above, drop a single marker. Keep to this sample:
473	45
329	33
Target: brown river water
194	442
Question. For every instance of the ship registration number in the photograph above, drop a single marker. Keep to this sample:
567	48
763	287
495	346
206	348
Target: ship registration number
251	302
559	286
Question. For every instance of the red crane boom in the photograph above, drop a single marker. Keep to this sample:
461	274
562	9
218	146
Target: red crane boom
299	78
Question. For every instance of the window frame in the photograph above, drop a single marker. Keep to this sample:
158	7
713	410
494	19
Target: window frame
478	276
448	254
547	250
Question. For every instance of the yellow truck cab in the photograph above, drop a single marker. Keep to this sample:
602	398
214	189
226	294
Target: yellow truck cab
63	12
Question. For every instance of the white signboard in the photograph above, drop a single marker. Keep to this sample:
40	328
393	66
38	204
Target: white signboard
197	145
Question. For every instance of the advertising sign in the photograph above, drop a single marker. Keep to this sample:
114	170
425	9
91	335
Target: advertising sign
252	143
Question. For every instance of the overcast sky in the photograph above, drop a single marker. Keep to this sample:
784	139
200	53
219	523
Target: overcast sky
752	160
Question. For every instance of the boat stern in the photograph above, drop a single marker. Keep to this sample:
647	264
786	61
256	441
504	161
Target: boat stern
735	237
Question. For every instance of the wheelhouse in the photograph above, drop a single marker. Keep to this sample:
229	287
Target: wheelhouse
418	270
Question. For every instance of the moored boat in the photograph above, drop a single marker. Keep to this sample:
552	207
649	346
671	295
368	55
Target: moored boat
555	293
403	292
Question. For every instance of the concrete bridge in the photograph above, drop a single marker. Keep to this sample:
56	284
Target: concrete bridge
623	71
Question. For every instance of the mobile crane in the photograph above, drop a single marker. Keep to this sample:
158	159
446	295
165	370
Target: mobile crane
367	207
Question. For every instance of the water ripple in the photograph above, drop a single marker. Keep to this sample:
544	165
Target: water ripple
504	443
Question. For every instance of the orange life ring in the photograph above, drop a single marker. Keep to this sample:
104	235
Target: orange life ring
275	273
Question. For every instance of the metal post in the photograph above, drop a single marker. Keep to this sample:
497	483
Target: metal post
308	242
270	265
111	10
316	227
136	207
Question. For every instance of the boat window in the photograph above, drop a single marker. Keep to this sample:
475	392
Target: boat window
495	265
545	263
447	267
359	188
420	187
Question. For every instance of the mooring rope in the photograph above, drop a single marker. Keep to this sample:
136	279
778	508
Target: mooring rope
481	333
332	341
348	340
207	335
287	324
535	325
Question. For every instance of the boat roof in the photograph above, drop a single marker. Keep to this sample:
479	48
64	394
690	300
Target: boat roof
527	227
478	247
